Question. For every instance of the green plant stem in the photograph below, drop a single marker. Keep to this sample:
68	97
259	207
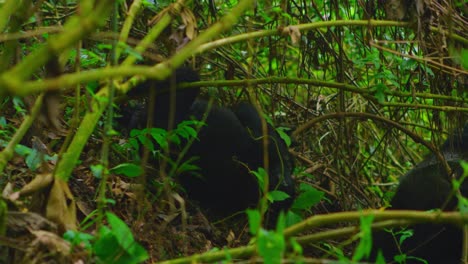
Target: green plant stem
451	35
87	125
7	10
18	88
330	84
152	34
19	14
74	30
315	25
68	80
400	217
30	34
347	231
127	25
454	218
211	257
394	124
8	152
98	104
107	127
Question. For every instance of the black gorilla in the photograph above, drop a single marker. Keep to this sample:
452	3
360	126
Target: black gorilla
427	187
229	146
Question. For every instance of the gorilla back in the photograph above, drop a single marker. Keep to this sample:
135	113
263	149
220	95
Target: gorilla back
427	187
228	148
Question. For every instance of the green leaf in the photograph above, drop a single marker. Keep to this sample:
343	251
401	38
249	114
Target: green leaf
135	132
19	105
400	258
22	150
254	221
121	230
405	234
160	136
79	238
34	159
276	196
292	218
364	247
133	142
379	92
174	138
187	132
260	175
281	223
296	247
283	135
187	166
145	141
112	132
308	198
271	246
380	258
464	165
3	121
117	245
97	170
128	169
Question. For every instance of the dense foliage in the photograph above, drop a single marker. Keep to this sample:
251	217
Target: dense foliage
360	91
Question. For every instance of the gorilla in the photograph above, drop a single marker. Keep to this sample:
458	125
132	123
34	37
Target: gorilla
427	187
228	148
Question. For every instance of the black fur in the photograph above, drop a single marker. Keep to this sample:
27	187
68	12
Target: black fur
280	162
424	188
229	146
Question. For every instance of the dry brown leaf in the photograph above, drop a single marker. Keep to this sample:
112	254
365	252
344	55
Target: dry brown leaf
295	34
190	23
8	190
84	208
157	17
61	207
186	31
291	31
179	37
231	238
51	110
13	196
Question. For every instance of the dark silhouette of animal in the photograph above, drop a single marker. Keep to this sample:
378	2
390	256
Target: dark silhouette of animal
228	148
427	187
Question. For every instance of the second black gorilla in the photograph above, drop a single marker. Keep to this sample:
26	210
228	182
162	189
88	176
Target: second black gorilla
428	187
228	148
